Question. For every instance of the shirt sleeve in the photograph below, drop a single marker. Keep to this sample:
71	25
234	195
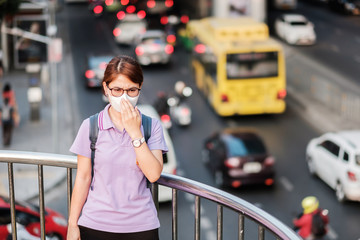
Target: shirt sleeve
81	144
157	140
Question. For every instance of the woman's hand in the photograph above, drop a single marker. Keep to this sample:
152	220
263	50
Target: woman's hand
73	233
131	119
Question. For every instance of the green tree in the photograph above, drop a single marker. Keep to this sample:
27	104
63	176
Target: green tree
9	7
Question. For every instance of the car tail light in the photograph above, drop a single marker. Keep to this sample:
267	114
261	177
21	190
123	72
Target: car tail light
165	118
171	38
236	184
164	20
116	32
124	2
151	4
224	98
120	15
98	9
269	181
351	176
130	9
141	14
281	94
269	161
139	51
200	48
109	2
169	3
184	19
169	49
232	162
89	74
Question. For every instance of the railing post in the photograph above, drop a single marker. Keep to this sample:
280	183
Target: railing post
261	232
174	214
241	226
12	200
41	201
219	222
69	188
197	218
154	187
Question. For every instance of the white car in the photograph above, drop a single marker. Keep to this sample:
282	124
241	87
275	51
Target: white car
295	29
335	158
152	48
165	193
128	28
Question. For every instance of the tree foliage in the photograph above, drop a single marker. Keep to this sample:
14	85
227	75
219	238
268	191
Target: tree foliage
9	7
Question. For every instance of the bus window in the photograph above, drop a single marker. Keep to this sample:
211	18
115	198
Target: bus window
252	65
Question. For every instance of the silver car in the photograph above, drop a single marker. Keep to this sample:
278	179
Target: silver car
152	48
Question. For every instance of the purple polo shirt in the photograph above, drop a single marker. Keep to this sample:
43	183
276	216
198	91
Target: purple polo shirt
120	201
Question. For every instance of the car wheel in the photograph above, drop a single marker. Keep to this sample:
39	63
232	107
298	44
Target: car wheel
205	156
219	179
340	193
311	166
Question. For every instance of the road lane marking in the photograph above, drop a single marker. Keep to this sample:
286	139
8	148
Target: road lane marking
287	184
331	233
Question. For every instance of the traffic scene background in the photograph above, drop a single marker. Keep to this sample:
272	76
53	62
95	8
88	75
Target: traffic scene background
316	74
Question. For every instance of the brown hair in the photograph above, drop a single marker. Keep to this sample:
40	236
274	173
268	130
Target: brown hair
123	65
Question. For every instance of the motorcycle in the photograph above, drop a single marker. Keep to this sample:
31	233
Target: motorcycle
180	112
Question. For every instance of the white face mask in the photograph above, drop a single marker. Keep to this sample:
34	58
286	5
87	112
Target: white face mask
116	101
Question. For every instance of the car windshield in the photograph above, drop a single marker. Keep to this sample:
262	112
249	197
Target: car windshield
252	65
247	145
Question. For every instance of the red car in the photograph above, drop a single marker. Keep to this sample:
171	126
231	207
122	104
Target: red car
28	215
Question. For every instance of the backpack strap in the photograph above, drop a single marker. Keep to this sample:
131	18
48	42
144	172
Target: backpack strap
94	130
146	122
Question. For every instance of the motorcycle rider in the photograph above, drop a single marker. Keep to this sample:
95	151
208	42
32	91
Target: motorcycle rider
160	103
305	221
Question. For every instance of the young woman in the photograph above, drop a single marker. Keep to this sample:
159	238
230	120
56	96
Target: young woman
115	203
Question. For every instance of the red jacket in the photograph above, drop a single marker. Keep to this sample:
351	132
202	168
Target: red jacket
305	221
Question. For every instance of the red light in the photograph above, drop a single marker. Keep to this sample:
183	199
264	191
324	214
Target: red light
281	94
169	3
224	98
131	9
120	15
151	3
200	48
184	19
269	182
98	9
164	20
165	118
351	176
139	51
236	184
124	2
116	32
171	38
89	74
141	14
102	65
169	49
109	2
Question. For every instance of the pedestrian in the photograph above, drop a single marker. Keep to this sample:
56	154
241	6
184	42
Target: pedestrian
7	121
115	203
9	93
311	223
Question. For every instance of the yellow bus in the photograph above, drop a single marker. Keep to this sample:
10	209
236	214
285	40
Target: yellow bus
237	66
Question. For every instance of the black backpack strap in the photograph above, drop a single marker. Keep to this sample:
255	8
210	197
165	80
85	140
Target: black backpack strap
94	130
146	122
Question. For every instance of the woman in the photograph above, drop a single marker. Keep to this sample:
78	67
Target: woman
118	205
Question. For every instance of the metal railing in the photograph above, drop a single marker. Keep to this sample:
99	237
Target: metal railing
265	221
